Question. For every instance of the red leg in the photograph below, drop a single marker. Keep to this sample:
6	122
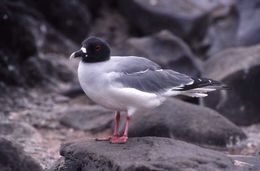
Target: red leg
116	129
123	139
117	120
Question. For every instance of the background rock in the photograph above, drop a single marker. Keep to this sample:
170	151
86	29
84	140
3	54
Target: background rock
183	18
148	153
12	157
239	69
89	118
177	119
222	33
22	36
70	17
249	27
168	51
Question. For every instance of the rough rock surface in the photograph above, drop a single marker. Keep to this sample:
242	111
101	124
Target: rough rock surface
147	153
247	162
90	118
13	158
168	51
222	33
192	123
183	18
23	33
249	26
239	69
72	18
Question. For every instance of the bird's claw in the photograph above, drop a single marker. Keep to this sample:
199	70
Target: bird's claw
118	140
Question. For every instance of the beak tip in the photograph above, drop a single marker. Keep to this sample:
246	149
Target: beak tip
72	55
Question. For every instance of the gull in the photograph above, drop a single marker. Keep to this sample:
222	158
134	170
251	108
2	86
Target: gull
131	84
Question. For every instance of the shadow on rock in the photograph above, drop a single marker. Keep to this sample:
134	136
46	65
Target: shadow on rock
188	122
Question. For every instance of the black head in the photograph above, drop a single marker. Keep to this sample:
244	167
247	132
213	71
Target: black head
93	50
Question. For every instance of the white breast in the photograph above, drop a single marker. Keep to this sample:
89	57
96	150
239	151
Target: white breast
95	80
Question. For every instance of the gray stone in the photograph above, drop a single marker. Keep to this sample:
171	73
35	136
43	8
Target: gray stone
89	118
13	158
168	51
19	131
188	122
239	69
75	22
249	26
20	64
187	19
222	34
141	154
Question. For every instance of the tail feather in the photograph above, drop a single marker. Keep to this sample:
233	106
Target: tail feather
204	83
199	88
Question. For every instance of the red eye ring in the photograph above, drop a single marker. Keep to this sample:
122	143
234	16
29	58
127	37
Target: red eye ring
98	48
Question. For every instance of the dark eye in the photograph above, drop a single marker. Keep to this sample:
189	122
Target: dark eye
98	48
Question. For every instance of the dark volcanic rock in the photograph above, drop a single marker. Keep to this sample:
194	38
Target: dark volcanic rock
17	42
70	17
15	31
249	26
168	51
240	70
187	122
141	154
13	158
187	19
89	118
23	32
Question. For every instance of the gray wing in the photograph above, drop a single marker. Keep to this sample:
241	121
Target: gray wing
153	80
132	65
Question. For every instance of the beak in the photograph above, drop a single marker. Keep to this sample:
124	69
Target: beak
77	54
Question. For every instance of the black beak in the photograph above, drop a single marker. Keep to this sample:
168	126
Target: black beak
78	54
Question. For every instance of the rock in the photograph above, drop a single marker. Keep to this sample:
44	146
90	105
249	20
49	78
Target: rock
21	132
186	19
17	42
168	51
16	35
222	33
23	33
188	122
239	69
13	158
70	17
147	153
249	26
89	118
247	162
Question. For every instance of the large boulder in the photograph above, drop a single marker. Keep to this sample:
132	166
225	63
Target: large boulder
186	19
70	17
240	70
13	158
188	122
89	118
168	51
147	153
249	26
23	33
221	34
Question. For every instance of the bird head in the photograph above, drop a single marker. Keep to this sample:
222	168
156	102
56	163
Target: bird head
93	50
